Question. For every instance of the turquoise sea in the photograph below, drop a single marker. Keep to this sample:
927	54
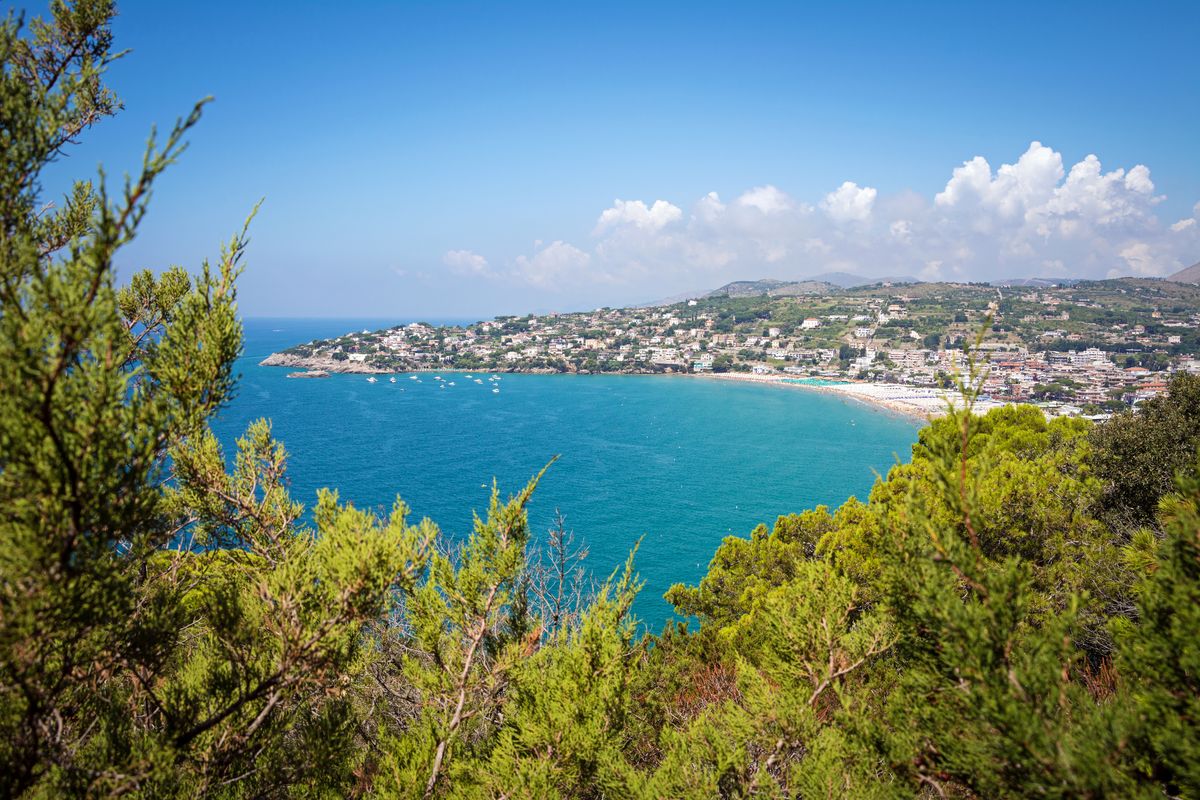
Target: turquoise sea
682	462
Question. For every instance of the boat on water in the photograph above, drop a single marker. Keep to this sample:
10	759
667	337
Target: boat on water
372	379
451	383
496	390
479	380
413	378
392	379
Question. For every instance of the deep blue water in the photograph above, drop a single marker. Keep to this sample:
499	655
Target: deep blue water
681	461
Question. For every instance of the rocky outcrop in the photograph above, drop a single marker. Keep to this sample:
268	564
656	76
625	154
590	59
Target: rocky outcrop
313	363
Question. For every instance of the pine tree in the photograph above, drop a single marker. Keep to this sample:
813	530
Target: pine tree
167	626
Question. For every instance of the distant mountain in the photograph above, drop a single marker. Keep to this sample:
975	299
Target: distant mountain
837	282
848	280
670	301
1189	275
774	288
825	283
1036	283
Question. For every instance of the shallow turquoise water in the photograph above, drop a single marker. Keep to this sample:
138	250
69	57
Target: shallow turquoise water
813	382
680	461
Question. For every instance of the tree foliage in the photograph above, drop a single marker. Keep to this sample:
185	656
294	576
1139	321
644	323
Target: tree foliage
1012	612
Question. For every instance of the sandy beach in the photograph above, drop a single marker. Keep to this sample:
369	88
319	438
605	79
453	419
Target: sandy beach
912	401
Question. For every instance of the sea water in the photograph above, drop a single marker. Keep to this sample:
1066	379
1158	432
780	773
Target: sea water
677	462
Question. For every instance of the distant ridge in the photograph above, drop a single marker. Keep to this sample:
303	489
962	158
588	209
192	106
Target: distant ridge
764	286
1037	283
1189	275
774	288
670	301
848	280
837	282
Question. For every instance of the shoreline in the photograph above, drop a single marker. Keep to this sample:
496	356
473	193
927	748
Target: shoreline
874	395
918	404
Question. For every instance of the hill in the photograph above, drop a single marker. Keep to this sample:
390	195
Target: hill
774	288
1036	283
1189	275
848	280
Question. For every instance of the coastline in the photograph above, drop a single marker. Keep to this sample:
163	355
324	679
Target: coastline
916	403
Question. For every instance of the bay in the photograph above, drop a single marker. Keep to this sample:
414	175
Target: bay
678	462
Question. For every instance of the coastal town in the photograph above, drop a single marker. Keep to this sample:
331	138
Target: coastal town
1086	348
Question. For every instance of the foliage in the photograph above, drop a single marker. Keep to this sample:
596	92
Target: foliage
1160	656
1137	455
1010	613
133	656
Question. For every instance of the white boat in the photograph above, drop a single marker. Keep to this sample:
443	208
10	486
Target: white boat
372	379
479	380
392	379
496	390
468	375
437	377
413	378
451	383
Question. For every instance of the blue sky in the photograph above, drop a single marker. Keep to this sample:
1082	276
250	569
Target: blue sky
448	159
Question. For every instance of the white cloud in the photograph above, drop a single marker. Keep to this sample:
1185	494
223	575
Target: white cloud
1138	180
766	199
552	265
708	209
1014	187
1091	197
465	262
638	214
1032	217
1145	261
932	271
849	202
1188	223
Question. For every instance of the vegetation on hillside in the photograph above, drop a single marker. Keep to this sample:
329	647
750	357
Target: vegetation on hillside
1012	613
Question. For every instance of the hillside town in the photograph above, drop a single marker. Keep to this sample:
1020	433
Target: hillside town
1080	349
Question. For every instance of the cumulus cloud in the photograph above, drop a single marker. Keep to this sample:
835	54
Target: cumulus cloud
1011	189
552	265
1141	258
465	262
1036	216
849	202
638	214
766	199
